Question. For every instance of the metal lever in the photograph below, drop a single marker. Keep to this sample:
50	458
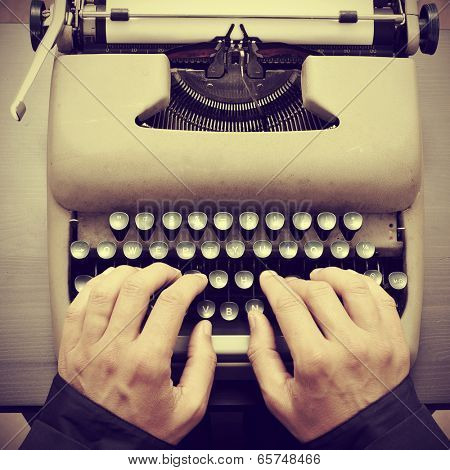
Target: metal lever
18	107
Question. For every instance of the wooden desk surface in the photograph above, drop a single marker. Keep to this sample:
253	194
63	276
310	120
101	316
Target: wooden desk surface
27	361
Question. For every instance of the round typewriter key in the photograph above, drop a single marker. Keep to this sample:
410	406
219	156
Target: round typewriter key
158	250
302	221
288	249
144	221
352	221
365	250
185	250
132	250
340	249
172	220
262	248
223	221
314	249
398	280
197	221
274	221
254	305
375	275
229	311
249	221
210	250
244	279
235	249
206	308
119	221
79	249
106	250
325	223
218	279
81	281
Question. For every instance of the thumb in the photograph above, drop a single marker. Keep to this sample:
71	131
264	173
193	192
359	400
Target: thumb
198	374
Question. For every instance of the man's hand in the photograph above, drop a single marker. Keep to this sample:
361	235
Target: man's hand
346	354
105	356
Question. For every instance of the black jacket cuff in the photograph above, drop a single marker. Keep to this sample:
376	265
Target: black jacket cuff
70	420
395	421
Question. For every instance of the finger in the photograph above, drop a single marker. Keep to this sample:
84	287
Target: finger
73	323
134	296
352	288
198	375
325	306
269	369
164	323
101	303
293	316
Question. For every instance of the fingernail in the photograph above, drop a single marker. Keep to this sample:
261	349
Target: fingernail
201	275
314	272
207	328
268	274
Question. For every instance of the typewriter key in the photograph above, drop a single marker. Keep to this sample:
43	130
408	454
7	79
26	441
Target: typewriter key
325	223
313	249
301	222
235	249
398	280
248	222
206	309
340	249
350	223
171	223
119	223
210	250
81	281
185	250
262	248
288	249
79	249
229	311
254	305
158	250
223	222
365	250
244	279
145	223
197	222
274	223
375	275
106	250
218	279
132	250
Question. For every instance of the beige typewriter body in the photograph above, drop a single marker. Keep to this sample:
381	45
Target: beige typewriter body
102	160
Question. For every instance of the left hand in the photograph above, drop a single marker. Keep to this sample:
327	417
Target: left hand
106	357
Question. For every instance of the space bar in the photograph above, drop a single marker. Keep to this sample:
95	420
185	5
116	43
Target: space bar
229	348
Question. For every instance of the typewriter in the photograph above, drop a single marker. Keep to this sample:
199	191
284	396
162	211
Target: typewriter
233	138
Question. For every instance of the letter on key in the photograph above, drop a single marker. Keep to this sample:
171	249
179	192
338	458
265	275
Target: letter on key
197	222
235	249
325	223
248	222
106	250
229	311
145	222
398	280
210	250
351	223
218	279
375	275
313	249
274	223
132	250
159	250
365	250
206	308
171	223
254	305
288	249
119	223
222	224
262	248
79	249
244	279
340	249
185	250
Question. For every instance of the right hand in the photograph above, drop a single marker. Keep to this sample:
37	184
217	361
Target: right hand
346	355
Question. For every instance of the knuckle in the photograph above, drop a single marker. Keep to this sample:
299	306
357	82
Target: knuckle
74	313
316	365
172	298
108	364
100	295
287	303
387	302
133	286
318	289
357	286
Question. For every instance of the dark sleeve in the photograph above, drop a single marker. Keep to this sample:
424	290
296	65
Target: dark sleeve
396	421
69	420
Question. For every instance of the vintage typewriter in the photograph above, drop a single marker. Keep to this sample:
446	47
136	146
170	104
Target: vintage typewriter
233	138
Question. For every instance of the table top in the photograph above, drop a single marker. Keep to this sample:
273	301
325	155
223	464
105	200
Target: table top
27	360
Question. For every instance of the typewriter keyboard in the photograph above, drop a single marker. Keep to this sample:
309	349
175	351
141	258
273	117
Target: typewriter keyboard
233	249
